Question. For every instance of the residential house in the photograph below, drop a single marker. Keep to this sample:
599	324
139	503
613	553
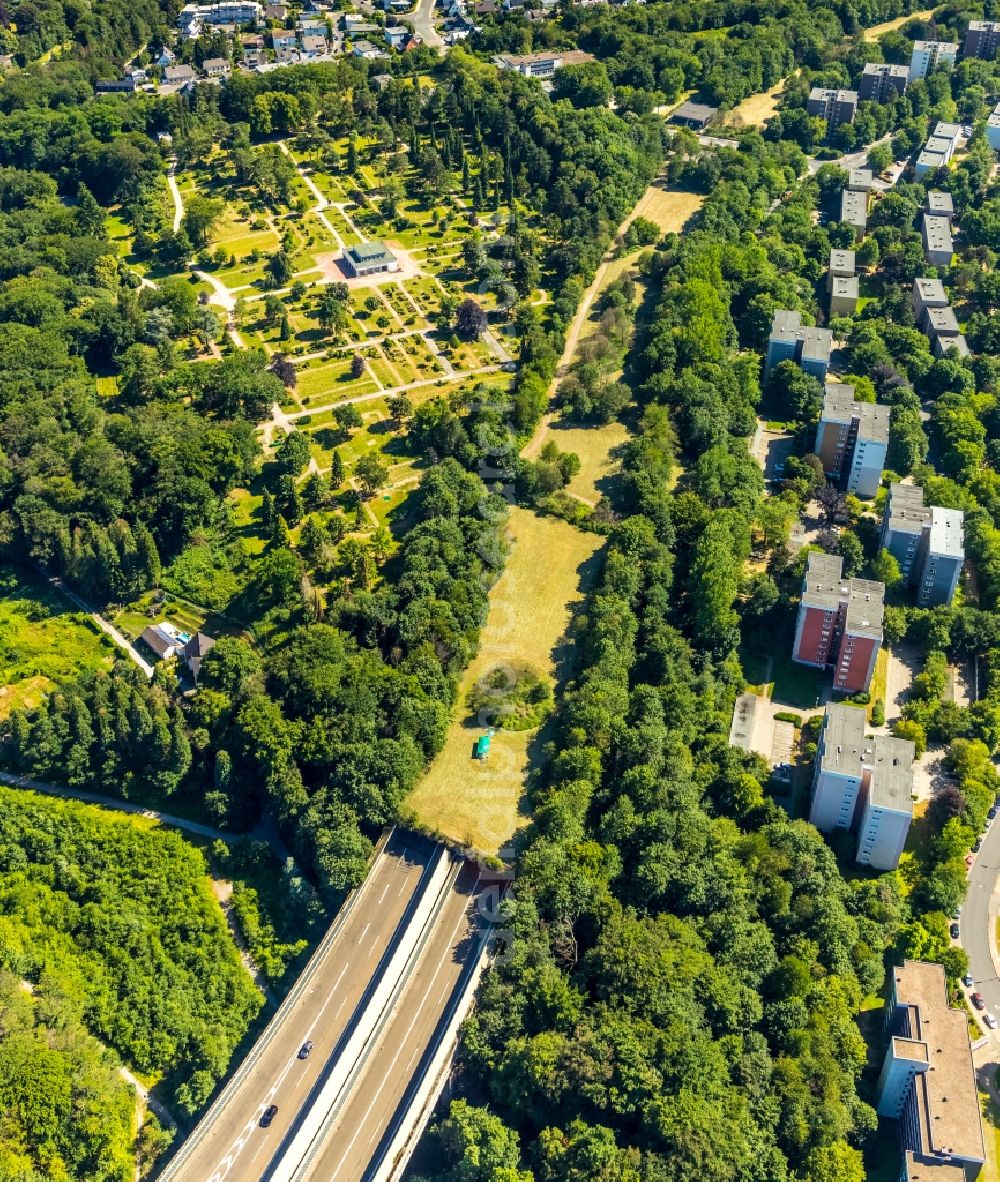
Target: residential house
928	1080
931	55
127	85
164	639
182	74
165	57
839	623
276	12
365	49
313	44
217	67
791	340
541	65
396	36
863	784
852	439
195	651
881	82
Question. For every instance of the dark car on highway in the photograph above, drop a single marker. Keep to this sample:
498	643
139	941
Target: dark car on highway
305	1050
269	1113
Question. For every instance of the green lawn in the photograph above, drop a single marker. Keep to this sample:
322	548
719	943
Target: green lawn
43	640
797	686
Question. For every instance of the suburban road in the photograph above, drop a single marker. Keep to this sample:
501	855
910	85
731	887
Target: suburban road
232	1147
349	1151
422	20
977	920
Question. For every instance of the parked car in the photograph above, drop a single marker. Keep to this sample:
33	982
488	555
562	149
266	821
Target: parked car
269	1113
978	1001
994	809
977	845
990	1021
305	1050
967	980
954	931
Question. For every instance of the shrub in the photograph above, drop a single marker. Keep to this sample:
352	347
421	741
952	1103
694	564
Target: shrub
789	716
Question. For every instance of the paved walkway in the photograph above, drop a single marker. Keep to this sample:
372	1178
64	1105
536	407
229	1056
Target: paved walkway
175	193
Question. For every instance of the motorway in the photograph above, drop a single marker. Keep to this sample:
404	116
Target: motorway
367	1120
230	1145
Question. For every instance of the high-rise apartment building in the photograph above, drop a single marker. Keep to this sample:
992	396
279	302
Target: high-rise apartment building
881	82
982	39
931	55
791	340
852	439
928	1080
835	106
863	784
839	624
927	541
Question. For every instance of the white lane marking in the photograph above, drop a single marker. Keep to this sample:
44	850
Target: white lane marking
223	1168
390	1072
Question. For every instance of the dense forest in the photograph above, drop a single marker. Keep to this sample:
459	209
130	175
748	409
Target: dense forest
114	927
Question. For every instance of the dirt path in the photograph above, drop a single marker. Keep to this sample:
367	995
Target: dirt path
670	220
175	193
120	639
876	31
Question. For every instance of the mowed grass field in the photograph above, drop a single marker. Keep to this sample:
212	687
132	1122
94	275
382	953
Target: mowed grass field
670	209
596	447
757	109
479	803
43	640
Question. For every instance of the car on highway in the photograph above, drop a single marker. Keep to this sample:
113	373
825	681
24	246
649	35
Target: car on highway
269	1113
954	931
978	1001
967	980
990	1021
305	1050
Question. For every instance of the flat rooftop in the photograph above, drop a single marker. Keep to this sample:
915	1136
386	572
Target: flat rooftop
824	585
937	233
838	403
845	286
854	207
843	261
931	291
865	608
947	532
892	781
844	746
860	178
905	510
947	131
947	1092
941	322
873	422
940	203
885	68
